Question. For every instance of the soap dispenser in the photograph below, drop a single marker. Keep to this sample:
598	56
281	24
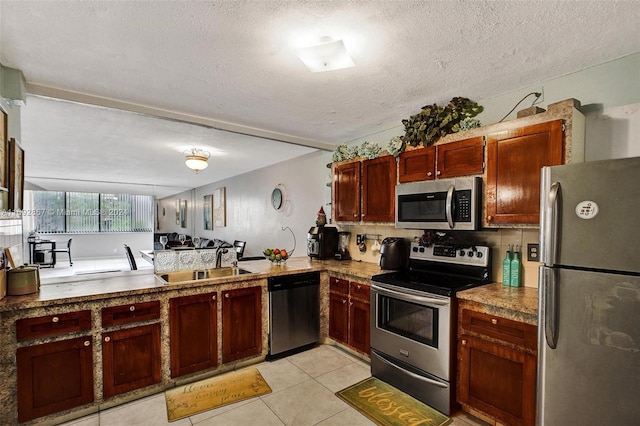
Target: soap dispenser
506	267
515	268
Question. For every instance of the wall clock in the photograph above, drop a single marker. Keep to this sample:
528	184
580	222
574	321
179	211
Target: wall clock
277	198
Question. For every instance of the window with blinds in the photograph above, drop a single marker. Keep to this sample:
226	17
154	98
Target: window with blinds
85	213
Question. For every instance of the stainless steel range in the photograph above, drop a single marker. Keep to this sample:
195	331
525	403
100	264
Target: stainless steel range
414	320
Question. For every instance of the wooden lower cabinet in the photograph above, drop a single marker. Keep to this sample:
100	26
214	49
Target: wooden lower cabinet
349	313
130	359
497	367
193	333
54	376
241	323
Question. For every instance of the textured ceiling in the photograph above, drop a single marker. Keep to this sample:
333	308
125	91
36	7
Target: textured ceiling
234	62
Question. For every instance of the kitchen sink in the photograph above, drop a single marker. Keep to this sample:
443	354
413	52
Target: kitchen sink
203	274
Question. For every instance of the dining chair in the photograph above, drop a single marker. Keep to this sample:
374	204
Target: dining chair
65	250
239	246
130	258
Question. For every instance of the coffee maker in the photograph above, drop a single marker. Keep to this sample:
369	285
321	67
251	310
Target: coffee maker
322	242
343	246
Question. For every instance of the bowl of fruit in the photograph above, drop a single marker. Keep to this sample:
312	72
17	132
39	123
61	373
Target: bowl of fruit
277	255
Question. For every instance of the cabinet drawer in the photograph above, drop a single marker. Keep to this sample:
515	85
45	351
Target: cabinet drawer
339	285
52	325
127	314
511	331
359	291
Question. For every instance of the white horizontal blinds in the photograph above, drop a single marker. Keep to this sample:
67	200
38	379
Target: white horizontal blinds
78	212
48	211
83	213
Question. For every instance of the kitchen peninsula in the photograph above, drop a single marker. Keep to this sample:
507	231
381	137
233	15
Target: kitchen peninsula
113	338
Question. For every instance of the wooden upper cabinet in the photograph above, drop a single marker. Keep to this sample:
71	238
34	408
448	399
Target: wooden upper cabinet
514	160
346	192
417	165
465	157
379	189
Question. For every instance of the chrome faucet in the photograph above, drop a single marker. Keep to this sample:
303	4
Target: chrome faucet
219	254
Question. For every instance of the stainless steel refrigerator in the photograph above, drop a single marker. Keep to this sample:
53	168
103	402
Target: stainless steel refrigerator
589	287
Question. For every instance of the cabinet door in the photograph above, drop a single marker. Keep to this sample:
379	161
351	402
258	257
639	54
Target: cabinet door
379	189
338	317
359	325
514	160
130	359
346	192
497	380
241	323
54	376
193	325
465	157
417	165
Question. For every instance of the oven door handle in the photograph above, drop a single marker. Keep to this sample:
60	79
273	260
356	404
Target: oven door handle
409	297
410	373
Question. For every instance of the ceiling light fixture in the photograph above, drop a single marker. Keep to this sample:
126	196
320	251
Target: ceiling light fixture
196	159
326	56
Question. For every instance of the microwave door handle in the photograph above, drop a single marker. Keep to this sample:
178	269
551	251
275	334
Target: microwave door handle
449	206
409	297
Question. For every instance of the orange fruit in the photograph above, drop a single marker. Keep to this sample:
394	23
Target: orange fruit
276	251
283	253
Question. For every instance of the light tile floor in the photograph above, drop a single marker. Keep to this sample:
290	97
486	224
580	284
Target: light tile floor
83	266
303	387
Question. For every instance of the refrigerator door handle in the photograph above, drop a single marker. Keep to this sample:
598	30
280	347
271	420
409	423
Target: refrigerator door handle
550	307
551	231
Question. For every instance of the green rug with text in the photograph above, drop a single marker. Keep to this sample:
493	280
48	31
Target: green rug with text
388	406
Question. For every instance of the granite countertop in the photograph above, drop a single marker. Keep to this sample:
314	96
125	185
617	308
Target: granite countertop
82	288
520	300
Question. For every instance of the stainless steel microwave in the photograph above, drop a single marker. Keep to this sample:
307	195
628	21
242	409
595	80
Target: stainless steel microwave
443	204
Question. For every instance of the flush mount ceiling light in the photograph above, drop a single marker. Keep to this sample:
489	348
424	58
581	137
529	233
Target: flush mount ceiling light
196	159
326	56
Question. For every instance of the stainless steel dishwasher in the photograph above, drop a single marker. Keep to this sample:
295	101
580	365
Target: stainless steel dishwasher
294	313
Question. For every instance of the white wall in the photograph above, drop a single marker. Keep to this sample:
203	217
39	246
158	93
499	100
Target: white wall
250	216
601	89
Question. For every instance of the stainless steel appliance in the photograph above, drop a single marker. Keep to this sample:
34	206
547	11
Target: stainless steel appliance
294	313
439	204
414	320
322	242
589	286
394	253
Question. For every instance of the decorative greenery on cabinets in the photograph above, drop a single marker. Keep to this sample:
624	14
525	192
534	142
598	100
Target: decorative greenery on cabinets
435	121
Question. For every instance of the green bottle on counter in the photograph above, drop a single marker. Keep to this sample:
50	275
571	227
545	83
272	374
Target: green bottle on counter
506	267
515	268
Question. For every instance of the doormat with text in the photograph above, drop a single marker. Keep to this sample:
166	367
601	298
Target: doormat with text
388	406
187	400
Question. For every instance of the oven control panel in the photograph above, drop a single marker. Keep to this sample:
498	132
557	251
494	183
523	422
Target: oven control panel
475	255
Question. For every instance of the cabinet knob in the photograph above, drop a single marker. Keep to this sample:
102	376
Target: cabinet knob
494	321
213	297
107	339
344	301
489	218
464	342
226	295
350	303
55	319
87	342
438	173
429	174
358	286
355	216
132	308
